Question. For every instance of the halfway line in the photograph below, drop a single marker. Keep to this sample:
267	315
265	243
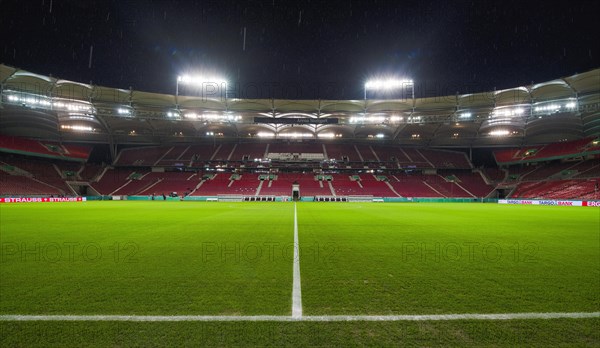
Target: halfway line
296	291
316	318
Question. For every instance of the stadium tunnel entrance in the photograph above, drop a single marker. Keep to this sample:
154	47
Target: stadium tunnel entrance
295	192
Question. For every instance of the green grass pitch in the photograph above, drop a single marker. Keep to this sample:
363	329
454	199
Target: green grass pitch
176	258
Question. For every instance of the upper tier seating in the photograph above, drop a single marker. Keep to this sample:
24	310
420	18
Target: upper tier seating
547	152
45	148
446	159
250	150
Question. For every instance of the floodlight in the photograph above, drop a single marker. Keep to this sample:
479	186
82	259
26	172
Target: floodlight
77	128
198	80
388	84
500	132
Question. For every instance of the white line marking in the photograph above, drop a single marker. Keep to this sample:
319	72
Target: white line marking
296	291
316	318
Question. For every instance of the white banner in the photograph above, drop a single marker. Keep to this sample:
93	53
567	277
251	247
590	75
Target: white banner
545	202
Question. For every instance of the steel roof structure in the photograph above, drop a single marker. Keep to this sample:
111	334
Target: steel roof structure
40	106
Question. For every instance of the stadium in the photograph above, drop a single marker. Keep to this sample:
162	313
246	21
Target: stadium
543	139
222	168
413	215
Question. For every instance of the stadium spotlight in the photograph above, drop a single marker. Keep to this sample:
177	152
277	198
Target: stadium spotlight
499	133
388	84
200	81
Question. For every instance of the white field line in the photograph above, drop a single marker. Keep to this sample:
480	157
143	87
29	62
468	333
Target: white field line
316	318
296	290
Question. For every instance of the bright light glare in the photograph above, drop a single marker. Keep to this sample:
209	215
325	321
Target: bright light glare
499	132
295	135
77	128
265	134
380	135
200	80
329	135
465	115
508	112
387	84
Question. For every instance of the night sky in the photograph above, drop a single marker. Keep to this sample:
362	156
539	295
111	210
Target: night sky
302	49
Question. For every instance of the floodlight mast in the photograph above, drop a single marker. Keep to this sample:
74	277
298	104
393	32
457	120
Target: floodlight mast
387	84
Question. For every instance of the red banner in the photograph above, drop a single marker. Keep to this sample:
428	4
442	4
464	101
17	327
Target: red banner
41	199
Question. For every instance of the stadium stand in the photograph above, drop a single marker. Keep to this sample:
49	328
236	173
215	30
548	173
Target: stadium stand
17	185
48	149
146	156
391	154
575	148
495	174
473	183
223	152
181	183
40	170
416	158
173	156
216	185
401	172
90	171
343	185
445	159
341	151
248	151
366	153
377	187
111	179
411	185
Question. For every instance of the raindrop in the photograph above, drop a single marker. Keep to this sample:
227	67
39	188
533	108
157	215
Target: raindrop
244	44
300	18
107	16
91	53
50	6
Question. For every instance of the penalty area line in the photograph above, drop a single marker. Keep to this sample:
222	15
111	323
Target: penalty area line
315	318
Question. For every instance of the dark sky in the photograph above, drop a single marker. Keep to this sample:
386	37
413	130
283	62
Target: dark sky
302	49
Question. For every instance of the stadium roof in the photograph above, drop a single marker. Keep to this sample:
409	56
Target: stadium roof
48	107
